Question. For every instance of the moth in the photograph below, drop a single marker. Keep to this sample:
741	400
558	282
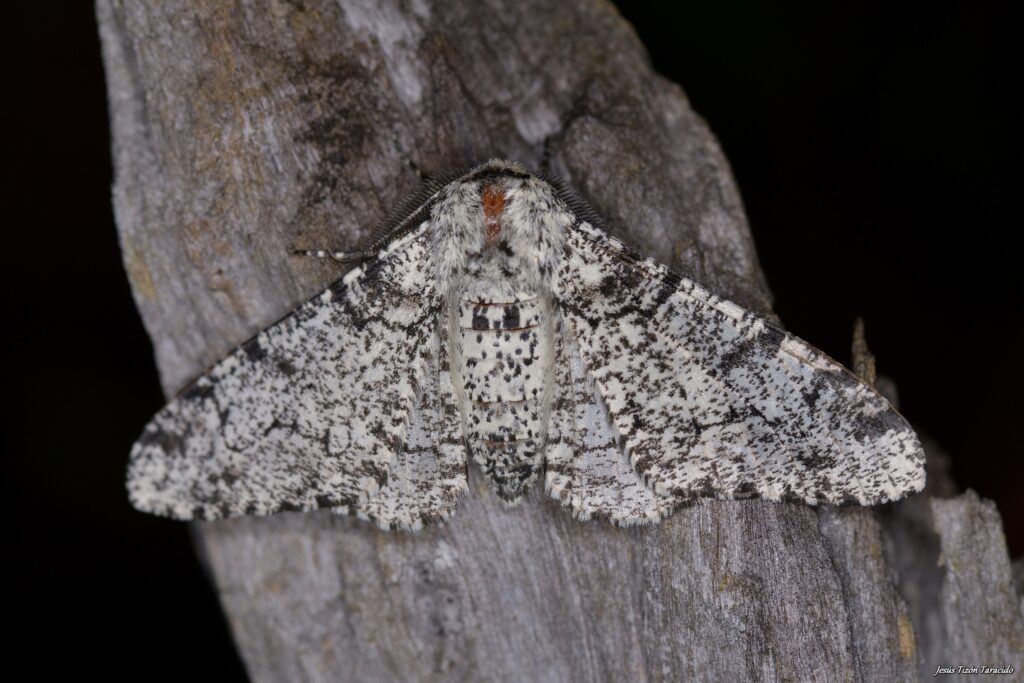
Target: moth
496	323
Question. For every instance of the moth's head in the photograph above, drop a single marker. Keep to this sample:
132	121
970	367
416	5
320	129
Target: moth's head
499	221
500	183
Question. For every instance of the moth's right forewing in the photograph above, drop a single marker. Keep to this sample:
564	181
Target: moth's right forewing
587	469
310	413
713	401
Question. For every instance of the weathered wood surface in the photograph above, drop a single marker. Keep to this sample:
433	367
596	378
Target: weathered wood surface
240	129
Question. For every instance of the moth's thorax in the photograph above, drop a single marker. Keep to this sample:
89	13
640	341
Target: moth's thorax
498	228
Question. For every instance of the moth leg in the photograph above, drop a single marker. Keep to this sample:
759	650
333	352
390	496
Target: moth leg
337	256
413	166
545	158
420	173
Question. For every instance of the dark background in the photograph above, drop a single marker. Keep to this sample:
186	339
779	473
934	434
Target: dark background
871	146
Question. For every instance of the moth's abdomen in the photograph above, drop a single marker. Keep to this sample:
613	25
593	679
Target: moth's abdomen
504	354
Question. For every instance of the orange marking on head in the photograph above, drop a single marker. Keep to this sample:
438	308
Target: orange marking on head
493	200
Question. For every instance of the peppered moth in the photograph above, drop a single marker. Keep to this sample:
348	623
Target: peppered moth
497	323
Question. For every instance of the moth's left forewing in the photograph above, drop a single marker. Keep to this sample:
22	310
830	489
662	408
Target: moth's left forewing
309	413
429	476
712	400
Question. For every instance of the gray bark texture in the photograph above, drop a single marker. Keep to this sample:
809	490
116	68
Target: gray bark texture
242	129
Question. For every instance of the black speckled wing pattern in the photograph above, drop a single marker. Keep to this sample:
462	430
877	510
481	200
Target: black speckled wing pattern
316	411
711	400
